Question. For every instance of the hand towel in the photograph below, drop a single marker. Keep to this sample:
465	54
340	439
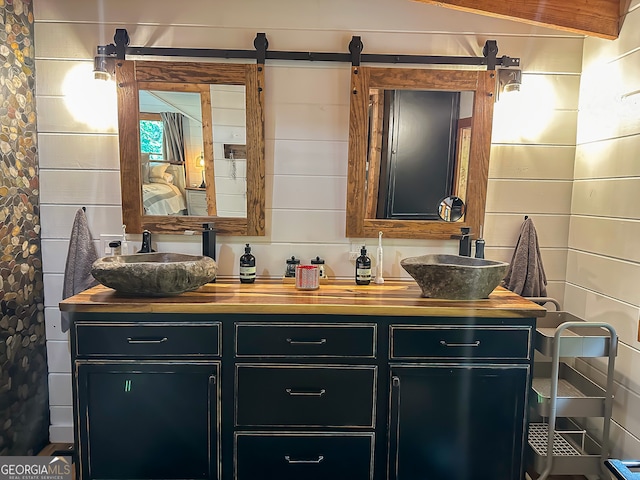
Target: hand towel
80	256
526	275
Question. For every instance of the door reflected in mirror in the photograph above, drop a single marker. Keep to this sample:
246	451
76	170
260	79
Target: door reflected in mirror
451	209
448	157
418	151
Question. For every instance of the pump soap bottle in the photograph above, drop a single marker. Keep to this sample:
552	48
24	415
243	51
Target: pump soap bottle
363	268
247	266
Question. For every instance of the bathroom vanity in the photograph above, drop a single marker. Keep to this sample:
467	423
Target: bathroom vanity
263	381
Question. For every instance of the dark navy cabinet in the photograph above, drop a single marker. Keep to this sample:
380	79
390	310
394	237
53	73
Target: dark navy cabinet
457	422
148	420
319	396
146	397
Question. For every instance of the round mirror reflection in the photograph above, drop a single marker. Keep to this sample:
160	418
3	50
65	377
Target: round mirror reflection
451	209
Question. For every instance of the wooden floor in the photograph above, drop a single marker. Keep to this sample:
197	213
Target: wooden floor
59	448
56	447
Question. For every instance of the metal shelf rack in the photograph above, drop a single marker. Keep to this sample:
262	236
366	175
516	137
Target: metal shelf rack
560	393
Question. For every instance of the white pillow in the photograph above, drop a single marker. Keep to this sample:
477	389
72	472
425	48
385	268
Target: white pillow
157	170
166	178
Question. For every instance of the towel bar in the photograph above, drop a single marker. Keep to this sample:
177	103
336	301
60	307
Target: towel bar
543	300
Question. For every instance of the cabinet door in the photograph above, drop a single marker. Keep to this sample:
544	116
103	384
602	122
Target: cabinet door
457	422
148	420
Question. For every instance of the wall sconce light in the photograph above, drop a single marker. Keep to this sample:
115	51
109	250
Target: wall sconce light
103	67
201	164
631	97
509	81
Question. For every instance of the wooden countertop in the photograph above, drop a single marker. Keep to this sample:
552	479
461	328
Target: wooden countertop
339	297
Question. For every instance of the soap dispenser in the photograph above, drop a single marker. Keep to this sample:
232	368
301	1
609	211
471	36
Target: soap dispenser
363	268
480	245
247	266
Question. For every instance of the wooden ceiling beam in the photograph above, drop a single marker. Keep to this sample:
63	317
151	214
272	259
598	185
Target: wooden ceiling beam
598	18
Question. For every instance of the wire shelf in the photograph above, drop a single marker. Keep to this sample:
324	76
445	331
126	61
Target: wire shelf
538	438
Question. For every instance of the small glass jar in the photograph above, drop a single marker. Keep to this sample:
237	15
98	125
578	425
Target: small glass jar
320	263
291	267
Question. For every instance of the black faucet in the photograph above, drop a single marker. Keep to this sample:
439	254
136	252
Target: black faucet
209	240
146	242
465	242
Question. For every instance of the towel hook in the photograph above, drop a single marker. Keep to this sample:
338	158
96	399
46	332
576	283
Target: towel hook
526	217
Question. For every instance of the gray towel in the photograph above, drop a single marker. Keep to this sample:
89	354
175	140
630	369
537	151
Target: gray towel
526	275
80	256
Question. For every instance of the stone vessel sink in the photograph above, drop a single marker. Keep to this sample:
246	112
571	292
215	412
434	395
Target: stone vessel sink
154	274
454	277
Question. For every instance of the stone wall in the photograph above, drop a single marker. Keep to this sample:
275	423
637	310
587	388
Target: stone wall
24	410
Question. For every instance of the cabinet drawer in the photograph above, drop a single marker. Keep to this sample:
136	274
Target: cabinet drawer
301	395
313	340
147	339
285	456
409	341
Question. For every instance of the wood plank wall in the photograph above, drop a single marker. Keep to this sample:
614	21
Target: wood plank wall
603	259
307	112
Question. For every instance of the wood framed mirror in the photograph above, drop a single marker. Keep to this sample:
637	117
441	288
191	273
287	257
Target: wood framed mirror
462	164
191	146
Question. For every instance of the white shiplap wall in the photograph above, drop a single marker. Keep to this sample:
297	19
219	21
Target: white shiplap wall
603	259
307	114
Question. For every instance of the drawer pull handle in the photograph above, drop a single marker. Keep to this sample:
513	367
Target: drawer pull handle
447	344
291	341
316	461
146	340
294	393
